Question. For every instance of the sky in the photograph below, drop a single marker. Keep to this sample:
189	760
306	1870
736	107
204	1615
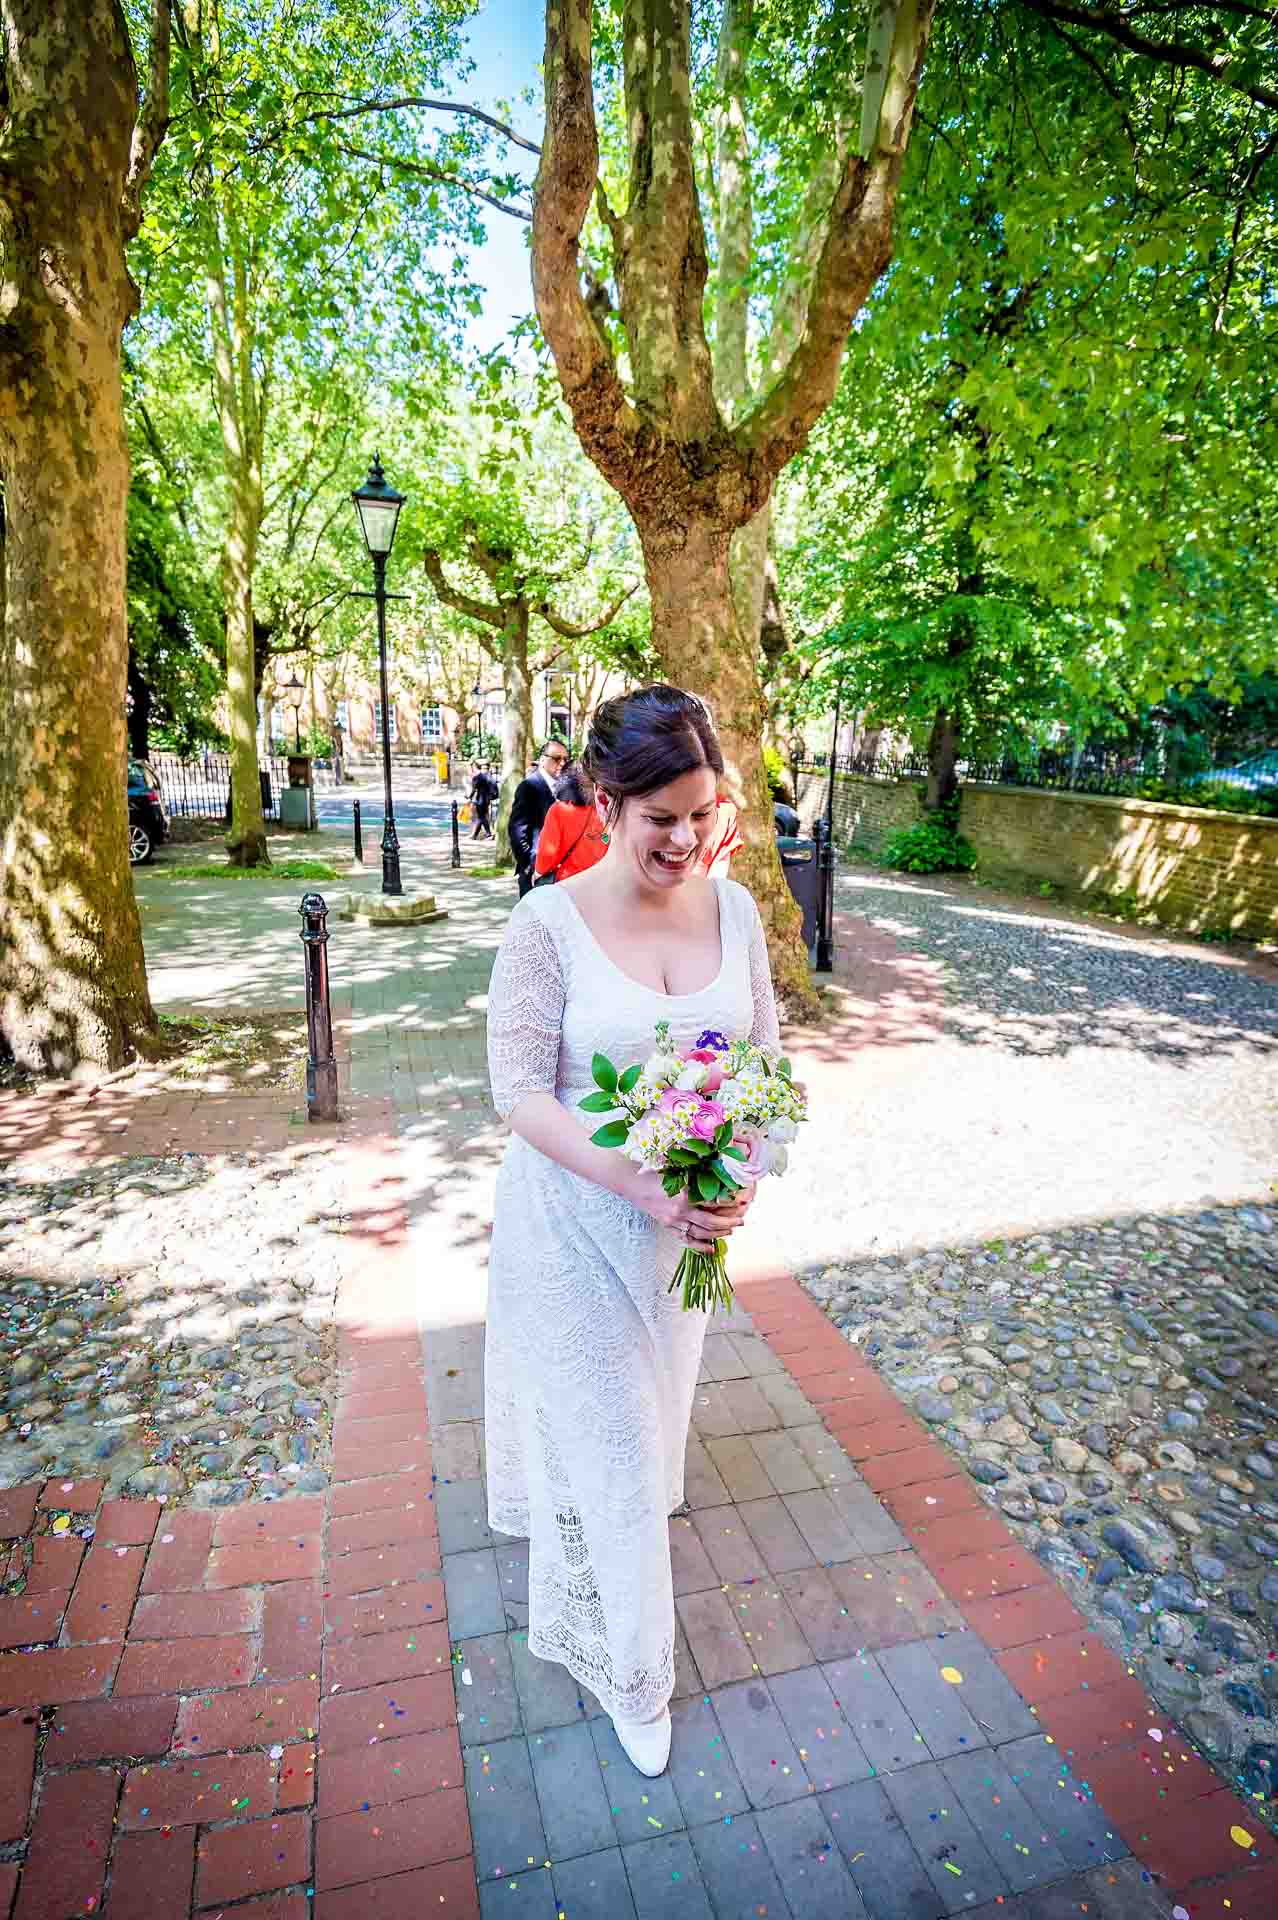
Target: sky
505	41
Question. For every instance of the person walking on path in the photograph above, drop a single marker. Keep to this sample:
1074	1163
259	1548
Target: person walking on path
573	837
481	796
590	1363
534	797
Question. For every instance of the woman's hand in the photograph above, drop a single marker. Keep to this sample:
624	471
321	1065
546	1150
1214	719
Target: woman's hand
695	1223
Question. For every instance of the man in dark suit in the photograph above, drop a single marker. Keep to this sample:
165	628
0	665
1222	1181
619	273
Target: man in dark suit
533	800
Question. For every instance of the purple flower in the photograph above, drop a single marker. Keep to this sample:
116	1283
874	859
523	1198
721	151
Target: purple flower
713	1038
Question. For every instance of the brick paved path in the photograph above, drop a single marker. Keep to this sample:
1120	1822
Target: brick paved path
326	1707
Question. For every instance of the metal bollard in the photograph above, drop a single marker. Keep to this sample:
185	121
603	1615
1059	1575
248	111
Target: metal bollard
825	897
321	1066
359	835
455	860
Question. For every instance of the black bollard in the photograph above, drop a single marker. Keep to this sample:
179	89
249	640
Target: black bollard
321	1066
359	835
455	860
825	896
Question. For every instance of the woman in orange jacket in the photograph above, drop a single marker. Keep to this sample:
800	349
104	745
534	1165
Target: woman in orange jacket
572	838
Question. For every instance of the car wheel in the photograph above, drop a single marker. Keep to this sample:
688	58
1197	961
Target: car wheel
141	845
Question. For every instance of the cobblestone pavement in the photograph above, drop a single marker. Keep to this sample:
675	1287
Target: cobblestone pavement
1112	1381
166	1322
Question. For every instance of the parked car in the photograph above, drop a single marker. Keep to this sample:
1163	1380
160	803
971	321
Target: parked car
148	815
785	820
1261	770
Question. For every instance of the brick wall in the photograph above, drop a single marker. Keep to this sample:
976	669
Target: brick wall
1191	867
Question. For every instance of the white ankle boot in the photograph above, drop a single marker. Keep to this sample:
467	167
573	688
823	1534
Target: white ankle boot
646	1743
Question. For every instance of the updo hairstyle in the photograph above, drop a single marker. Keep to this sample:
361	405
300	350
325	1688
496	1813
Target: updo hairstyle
643	740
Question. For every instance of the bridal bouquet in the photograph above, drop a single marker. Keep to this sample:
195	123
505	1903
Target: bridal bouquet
710	1119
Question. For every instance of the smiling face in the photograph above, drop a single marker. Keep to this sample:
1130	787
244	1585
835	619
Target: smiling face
661	835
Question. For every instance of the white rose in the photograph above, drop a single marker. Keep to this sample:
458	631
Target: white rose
778	1159
691	1076
783	1131
660	1067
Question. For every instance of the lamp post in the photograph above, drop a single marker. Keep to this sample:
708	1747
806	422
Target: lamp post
378	506
292	694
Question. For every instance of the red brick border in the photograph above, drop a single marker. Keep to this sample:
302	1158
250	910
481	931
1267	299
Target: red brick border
1118	1744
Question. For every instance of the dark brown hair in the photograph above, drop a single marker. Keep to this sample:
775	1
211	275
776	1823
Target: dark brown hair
643	740
574	787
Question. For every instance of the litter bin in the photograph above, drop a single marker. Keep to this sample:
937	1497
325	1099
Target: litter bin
803	874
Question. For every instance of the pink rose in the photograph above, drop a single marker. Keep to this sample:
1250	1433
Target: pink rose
708	1121
757	1160
679	1100
705	1055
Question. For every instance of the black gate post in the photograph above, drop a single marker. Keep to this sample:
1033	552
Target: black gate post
321	1066
359	834
455	858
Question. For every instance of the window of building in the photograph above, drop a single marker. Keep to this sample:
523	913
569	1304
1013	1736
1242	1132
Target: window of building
377	723
432	723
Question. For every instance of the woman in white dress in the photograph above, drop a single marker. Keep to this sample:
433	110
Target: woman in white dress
590	1362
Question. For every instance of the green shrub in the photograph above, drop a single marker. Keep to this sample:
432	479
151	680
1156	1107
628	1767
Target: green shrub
775	768
1212	793
933	845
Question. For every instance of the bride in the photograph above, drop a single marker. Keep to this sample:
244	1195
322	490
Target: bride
590	1363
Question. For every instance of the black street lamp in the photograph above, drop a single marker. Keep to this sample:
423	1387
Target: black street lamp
378	506
477	695
292	693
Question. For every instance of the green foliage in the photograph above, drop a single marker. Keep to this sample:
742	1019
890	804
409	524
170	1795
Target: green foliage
932	845
174	624
1218	794
777	771
1046	489
485	748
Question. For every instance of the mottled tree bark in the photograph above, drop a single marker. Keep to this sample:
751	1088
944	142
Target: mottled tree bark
690	473
74	154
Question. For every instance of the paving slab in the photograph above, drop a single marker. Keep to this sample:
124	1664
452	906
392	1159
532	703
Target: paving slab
808	1863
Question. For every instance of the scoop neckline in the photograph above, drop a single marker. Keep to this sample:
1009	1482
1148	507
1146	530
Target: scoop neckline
641	986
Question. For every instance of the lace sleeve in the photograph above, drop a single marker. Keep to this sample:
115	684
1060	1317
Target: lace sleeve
765	1030
525	1010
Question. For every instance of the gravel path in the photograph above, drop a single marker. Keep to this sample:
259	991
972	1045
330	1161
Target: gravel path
1063	1252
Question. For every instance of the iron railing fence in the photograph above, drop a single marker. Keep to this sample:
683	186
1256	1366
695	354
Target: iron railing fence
200	788
1091	772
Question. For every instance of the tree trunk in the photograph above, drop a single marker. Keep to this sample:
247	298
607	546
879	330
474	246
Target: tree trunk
240	424
698	640
942	760
246	842
73	990
516	724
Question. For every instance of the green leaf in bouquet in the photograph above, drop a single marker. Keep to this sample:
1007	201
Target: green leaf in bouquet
726	1174
707	1183
629	1077
735	1153
603	1073
597	1103
672	1182
613	1135
683	1157
783	1067
723	1135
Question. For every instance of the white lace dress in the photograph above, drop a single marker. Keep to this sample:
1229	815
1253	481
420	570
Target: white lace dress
590	1364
